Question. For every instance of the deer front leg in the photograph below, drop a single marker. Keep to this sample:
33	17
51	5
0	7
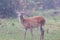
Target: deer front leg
31	30
42	33
25	31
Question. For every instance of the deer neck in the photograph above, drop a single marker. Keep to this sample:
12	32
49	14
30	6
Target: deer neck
22	18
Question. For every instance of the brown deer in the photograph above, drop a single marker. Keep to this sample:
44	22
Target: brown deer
32	22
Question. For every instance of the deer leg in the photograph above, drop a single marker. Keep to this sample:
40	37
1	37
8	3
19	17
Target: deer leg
31	30
42	33
25	31
47	31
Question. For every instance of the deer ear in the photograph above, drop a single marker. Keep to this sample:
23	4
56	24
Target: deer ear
18	13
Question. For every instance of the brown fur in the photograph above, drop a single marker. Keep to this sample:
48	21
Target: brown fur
33	22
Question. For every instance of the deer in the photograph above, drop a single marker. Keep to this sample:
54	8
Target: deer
32	22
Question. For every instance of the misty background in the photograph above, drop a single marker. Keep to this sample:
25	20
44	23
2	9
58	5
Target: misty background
47	8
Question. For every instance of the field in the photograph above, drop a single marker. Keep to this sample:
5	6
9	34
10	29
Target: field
11	29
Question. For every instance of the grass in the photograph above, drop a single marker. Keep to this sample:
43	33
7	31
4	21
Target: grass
11	29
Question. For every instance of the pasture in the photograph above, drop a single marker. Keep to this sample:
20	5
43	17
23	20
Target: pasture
11	29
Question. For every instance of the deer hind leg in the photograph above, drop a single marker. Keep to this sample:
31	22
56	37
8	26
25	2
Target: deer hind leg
25	31
42	33
31	30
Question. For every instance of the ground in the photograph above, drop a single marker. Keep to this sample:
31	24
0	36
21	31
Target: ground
11	29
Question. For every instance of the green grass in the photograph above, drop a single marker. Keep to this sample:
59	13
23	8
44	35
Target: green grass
11	29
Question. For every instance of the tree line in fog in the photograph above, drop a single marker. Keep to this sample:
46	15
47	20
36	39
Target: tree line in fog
8	7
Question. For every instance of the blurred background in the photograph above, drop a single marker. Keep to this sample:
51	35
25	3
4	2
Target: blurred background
48	8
